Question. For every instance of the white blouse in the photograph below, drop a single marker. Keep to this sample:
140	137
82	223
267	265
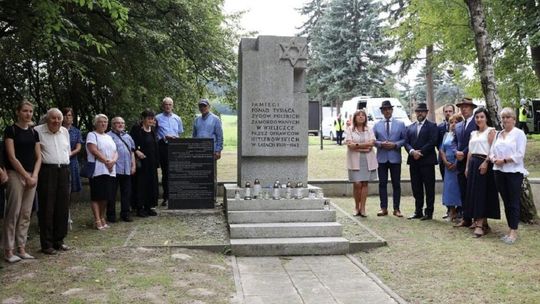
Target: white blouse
479	142
105	144
510	145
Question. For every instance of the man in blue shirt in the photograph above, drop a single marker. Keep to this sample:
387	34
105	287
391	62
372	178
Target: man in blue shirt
208	125
125	167
169	126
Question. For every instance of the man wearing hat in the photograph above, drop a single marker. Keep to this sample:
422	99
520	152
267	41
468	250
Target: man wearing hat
389	138
461	139
208	125
420	142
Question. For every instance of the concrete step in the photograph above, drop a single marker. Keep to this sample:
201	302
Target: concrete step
283	204
289	246
285	230
281	216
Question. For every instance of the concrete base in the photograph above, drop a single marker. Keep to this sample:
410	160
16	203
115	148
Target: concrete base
285	230
289	246
261	227
281	216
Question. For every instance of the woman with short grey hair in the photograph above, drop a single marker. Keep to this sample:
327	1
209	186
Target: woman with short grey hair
101	149
507	154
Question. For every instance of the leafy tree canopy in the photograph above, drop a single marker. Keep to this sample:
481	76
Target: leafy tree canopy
115	56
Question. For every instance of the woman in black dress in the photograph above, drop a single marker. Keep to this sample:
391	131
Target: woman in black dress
146	179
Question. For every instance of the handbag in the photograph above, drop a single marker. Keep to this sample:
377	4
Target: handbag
88	168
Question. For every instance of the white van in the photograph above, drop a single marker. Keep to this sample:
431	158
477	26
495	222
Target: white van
328	130
372	107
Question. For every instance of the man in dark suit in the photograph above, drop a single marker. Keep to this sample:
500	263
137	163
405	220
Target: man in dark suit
463	134
420	141
448	111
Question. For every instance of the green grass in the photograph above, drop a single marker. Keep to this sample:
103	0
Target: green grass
229	132
100	269
432	262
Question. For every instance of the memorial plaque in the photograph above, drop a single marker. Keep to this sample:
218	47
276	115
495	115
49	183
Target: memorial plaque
192	168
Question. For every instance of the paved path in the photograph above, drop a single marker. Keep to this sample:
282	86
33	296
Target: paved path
308	280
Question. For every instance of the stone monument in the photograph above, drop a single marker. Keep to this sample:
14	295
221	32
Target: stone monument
273	145
273	110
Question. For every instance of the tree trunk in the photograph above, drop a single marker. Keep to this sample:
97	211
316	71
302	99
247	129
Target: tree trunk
430	100
485	58
535	49
535	56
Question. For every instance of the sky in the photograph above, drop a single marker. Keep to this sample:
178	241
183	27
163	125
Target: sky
279	18
268	17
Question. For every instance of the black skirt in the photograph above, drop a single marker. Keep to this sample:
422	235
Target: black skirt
482	196
101	188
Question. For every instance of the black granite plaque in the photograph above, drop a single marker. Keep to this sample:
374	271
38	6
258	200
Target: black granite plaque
192	168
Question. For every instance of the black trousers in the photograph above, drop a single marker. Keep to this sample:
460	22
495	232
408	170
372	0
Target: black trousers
53	212
423	181
395	174
164	164
523	126
124	182
339	137
509	186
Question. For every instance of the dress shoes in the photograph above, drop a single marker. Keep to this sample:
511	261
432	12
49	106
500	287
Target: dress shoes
62	247
398	213
383	212
111	219
127	219
142	213
426	218
151	212
49	251
415	216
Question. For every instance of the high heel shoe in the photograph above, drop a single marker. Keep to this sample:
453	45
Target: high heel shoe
104	223
98	225
479	231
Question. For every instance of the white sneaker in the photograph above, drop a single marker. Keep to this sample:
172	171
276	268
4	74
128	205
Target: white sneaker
12	259
25	256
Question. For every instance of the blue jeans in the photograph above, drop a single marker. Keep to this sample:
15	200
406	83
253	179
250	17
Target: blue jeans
395	174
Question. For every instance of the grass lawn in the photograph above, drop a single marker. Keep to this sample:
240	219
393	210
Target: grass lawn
112	266
432	262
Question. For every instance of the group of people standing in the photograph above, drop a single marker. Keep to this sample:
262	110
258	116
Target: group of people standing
43	159
474	159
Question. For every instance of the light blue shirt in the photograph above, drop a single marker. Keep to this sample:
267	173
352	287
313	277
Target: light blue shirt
209	127
123	164
169	125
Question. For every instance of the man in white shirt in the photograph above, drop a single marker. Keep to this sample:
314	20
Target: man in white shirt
53	183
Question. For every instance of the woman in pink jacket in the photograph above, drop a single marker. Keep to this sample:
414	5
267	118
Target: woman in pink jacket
361	160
